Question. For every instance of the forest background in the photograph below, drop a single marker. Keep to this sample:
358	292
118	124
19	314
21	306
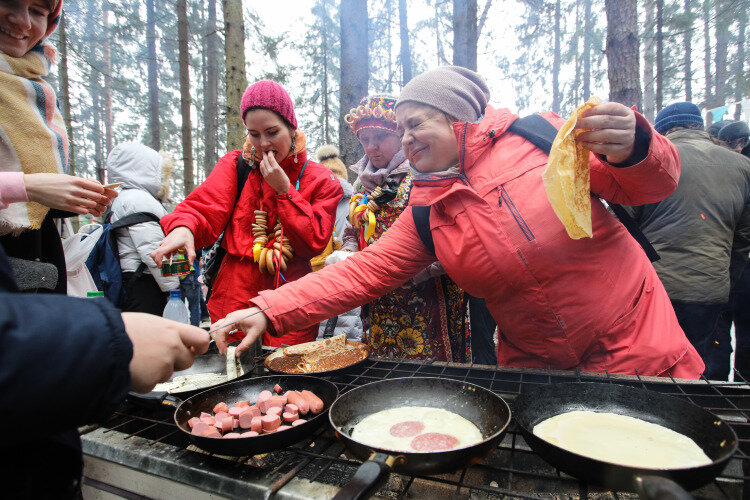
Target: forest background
170	73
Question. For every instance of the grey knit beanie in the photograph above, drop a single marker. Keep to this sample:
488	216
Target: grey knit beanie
457	91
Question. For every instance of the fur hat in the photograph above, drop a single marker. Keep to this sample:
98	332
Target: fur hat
328	155
167	164
374	111
679	114
268	94
456	91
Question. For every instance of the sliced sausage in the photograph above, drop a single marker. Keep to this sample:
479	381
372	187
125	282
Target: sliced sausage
199	428
316	404
220	407
249	434
256	424
235	411
246	420
212	432
270	423
298	422
291	408
297	400
277	389
283	428
193	421
232	435
275	410
227	424
290	417
242	403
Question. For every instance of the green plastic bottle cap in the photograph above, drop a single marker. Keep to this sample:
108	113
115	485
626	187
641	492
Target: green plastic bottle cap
94	294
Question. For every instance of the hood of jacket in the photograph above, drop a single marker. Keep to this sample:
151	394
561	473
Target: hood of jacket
136	166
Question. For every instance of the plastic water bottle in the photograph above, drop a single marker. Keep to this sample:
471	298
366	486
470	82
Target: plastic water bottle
176	309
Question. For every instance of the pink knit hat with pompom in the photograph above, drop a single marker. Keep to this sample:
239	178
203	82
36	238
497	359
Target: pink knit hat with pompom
268	94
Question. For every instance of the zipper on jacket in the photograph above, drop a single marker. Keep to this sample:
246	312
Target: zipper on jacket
525	229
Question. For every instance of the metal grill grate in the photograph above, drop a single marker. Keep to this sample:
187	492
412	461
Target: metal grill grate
510	471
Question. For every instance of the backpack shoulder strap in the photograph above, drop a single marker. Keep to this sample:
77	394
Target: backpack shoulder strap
422	221
541	133
243	171
535	129
132	219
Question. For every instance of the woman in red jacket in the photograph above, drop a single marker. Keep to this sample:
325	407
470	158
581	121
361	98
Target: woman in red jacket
591	303
283	216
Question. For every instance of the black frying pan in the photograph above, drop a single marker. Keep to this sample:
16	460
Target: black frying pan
713	435
488	411
249	389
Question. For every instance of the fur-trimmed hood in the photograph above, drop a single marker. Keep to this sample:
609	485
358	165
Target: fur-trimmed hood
138	166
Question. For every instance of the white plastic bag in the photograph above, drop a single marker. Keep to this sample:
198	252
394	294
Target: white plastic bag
77	248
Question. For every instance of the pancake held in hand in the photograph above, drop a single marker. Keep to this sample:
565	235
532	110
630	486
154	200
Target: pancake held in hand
566	178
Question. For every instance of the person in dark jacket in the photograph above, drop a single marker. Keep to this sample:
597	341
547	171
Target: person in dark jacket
700	231
66	362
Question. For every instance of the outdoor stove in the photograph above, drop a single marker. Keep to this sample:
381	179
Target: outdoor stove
140	453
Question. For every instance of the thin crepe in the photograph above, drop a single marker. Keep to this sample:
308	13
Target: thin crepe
567	177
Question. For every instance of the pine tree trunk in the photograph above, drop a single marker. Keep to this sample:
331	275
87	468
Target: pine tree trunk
722	42
405	50
326	102
708	76
649	96
687	61
577	55
153	77
236	79
465	33
659	54
588	26
65	92
95	89
556	62
210	93
389	44
739	68
622	52
354	72
107	60
187	127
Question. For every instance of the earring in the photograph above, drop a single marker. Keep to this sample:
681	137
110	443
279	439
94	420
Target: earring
294	148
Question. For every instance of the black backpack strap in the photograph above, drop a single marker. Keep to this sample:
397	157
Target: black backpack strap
535	129
132	219
541	133
422	221
243	171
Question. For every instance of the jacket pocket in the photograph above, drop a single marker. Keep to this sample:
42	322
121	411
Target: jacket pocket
506	200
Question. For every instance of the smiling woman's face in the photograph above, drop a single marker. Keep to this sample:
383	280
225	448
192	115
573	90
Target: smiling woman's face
268	132
23	23
428	140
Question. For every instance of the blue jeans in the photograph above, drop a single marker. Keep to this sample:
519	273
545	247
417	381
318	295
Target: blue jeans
191	291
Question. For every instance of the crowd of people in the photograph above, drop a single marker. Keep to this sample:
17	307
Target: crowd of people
487	274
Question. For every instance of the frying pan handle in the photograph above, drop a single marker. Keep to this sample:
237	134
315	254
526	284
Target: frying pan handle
657	487
368	477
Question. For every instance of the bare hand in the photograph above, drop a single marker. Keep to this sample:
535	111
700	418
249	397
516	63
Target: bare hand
69	193
609	131
274	174
254	326
160	347
180	239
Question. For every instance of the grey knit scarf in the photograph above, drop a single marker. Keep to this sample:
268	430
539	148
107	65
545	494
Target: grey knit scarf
371	177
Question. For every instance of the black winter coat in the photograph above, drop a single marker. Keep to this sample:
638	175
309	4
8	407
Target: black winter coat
63	364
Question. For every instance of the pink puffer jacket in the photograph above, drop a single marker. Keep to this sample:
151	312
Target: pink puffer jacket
596	303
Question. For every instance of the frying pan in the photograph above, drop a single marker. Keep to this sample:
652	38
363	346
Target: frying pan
488	411
713	435
279	352
249	389
205	363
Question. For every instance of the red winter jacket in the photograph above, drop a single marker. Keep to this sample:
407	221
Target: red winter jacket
307	216
559	303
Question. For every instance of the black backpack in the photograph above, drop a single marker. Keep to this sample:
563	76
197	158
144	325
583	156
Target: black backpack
541	133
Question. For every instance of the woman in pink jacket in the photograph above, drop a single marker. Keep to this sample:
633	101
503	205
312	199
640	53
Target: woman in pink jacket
560	303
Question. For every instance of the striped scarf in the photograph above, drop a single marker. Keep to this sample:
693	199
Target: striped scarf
32	132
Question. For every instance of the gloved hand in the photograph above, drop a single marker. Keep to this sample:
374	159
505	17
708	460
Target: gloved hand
337	256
